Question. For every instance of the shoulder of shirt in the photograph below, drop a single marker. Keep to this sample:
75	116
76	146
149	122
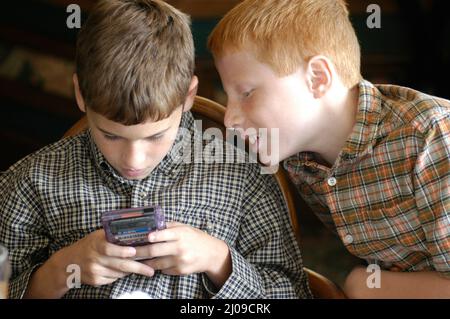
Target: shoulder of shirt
410	107
57	158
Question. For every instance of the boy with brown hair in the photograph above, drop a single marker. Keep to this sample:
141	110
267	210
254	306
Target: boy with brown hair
228	233
372	161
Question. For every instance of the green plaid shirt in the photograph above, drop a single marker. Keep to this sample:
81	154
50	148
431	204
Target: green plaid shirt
55	197
388	194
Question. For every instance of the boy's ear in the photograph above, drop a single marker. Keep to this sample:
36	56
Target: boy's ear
319	75
193	88
78	95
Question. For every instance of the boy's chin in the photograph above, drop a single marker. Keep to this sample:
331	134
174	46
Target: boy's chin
135	176
268	161
269	168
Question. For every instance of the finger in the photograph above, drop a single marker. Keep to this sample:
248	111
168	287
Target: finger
113	274
173	224
156	250
108	280
168	234
161	263
130	266
111	250
100	275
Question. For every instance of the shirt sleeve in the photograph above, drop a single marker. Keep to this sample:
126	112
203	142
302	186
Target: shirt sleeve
22	230
266	260
432	193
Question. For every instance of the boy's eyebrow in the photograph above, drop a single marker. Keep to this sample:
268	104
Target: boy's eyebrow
151	136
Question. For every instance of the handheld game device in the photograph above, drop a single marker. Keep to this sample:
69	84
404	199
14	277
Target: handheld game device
130	227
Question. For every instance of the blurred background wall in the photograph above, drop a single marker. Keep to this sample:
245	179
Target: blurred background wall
412	48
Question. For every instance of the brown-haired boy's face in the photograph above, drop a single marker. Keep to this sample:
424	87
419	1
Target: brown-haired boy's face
134	151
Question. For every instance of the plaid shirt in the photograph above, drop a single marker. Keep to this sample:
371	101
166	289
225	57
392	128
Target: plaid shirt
55	197
388	194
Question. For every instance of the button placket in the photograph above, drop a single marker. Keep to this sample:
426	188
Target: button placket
332	181
138	195
143	194
209	227
348	239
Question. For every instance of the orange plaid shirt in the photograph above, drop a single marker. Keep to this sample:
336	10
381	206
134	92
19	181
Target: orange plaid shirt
388	194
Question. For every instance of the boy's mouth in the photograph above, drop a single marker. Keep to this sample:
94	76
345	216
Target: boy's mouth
129	173
254	141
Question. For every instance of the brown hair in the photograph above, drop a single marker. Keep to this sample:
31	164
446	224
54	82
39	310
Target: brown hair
285	34
135	60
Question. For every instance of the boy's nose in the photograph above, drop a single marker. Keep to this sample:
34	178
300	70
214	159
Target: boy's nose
233	117
134	158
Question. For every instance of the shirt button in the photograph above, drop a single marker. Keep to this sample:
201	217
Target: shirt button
332	181
143	194
133	276
348	239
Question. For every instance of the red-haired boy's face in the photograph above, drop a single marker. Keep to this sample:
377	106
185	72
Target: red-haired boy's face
258	99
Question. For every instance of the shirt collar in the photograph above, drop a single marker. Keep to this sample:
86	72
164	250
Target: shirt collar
171	163
363	136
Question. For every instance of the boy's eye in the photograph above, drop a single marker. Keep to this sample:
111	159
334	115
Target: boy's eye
114	138
111	137
248	93
155	138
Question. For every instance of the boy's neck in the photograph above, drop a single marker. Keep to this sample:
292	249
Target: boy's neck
340	110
